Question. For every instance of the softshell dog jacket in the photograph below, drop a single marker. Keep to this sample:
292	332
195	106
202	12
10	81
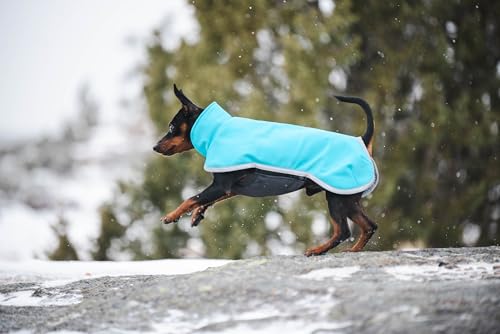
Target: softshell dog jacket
338	163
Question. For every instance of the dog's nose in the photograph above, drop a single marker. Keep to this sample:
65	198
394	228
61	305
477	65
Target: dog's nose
156	148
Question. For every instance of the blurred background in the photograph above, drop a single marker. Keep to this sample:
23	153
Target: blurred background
86	91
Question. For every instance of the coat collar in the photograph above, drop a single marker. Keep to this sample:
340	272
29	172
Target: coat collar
206	125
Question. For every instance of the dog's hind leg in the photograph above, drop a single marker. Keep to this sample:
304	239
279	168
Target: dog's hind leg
338	213
198	213
368	228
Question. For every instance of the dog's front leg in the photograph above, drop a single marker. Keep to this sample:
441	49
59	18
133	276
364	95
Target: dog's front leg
207	196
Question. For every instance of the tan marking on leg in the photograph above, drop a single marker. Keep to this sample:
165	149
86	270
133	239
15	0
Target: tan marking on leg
367	230
332	242
369	147
186	206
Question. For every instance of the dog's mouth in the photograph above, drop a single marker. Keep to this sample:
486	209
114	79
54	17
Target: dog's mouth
168	152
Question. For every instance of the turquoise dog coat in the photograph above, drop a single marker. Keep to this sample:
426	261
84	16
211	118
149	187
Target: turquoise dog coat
338	163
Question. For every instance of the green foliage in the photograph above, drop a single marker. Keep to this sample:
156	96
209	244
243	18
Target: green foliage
428	70
64	250
438	149
110	230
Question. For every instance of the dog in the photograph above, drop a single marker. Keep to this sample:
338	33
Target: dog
258	158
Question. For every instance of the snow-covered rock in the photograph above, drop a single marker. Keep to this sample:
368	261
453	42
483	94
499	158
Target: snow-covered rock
425	291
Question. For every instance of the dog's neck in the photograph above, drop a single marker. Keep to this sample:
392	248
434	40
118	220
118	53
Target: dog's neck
206	125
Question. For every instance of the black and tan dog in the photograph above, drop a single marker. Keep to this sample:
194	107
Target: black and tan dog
257	182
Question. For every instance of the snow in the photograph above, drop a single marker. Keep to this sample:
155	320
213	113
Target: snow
47	274
56	273
268	323
265	312
26	331
257	315
412	313
261	319
29	298
289	327
27	232
421	273
336	274
180	322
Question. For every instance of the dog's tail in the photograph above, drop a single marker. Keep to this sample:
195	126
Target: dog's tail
370	124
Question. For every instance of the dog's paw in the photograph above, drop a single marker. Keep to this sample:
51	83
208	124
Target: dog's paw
169	219
197	217
351	250
195	222
314	252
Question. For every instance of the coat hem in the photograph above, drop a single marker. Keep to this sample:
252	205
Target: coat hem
366	189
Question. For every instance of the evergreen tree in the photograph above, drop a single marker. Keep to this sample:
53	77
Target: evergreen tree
432	71
64	250
110	230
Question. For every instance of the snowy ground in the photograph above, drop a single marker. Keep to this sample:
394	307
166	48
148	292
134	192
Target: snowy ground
427	291
64	272
49	274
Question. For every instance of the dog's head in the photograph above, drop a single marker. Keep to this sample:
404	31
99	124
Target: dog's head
178	137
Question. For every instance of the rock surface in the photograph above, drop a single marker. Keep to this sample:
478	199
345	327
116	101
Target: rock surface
425	291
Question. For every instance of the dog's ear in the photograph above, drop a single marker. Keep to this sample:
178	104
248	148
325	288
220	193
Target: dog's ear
186	103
